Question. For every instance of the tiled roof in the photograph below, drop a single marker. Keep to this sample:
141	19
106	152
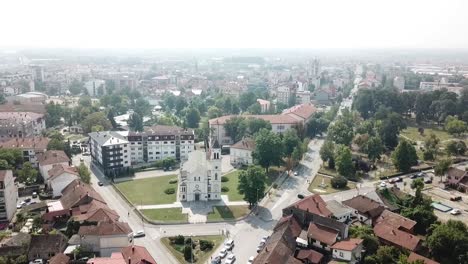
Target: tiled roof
290	221
75	192
245	143
347	245
59	259
273	119
167	130
52	157
59	169
19	117
304	111
395	220
37	143
313	204
313	256
115	258
105	229
137	255
279	248
322	233
47	243
365	205
396	236
413	257
455	175
95	211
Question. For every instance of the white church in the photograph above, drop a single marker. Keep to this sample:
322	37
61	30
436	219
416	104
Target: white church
200	175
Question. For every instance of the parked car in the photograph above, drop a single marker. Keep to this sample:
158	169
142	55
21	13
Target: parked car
265	238
230	259
223	253
395	180
81	160
455	198
428	181
382	185
216	260
229	244
455	212
139	233
36	261
27	200
251	259
260	247
296	173
34	195
100	183
300	196
86	154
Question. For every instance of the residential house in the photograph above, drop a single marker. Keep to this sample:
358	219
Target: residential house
349	250
265	105
114	258
303	113
8	195
106	237
392	236
310	256
59	177
322	97
30	147
413	257
15	245
313	204
50	158
457	179
46	246
241	152
60	258
322	237
339	211
397	221
137	255
365	209
95	211
21	124
111	151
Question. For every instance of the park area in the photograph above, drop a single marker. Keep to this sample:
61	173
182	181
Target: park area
322	185
233	181
202	247
166	215
223	213
150	191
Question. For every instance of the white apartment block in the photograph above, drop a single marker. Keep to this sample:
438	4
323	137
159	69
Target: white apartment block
110	151
283	94
8	195
303	97
21	124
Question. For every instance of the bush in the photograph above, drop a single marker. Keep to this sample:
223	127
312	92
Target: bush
224	189
188	241
170	191
179	240
275	185
206	245
224	179
339	182
188	253
173	181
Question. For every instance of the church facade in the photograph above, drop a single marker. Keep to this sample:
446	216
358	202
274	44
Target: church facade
200	175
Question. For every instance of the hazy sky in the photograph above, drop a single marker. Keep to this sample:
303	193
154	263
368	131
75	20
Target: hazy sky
234	24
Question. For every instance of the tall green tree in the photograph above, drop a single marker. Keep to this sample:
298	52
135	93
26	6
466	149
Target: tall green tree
456	148
268	148
340	133
404	156
252	184
192	117
135	122
236	128
27	174
255	124
344	161
246	100
374	148
327	153
76	87
97	118
448	242
455	126
442	167
291	141
84	173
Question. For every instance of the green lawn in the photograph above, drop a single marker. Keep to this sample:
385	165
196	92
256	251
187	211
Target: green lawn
228	212
232	184
413	134
325	170
200	256
149	191
315	185
166	214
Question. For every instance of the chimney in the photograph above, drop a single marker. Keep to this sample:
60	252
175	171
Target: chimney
133	249
129	260
393	232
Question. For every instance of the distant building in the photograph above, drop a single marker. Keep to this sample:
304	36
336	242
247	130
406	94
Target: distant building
8	195
30	147
59	177
283	94
399	82
30	97
200	175
110	151
303	97
46	246
348	250
241	152
49	159
105	237
94	87
21	124
265	105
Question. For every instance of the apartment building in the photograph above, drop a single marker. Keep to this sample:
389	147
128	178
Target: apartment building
21	124
8	195
31	147
110	151
283	94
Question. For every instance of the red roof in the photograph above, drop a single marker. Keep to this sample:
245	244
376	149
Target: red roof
60	258
37	143
413	257
137	255
273	119
115	258
322	233
52	157
395	220
313	256
59	169
304	111
313	204
397	237
105	229
291	221
348	245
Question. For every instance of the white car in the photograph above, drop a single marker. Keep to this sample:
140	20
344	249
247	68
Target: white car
382	185
223	252
229	244
455	212
230	259
139	233
36	261
251	259
296	173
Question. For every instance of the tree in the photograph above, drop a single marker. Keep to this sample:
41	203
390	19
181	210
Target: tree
135	122
423	215
252	184
290	141
374	148
27	174
456	148
344	161
53	114
384	254
404	156
214	112
236	128
192	117
432	142
14	157
84	173
188	255
2	99
97	118
75	87
365	232
340	133
268	148
417	183
442	167
339	182
246	100
255	124
142	107
110	116
448	242
55	144
317	126
327	153
389	128
455	126
255	109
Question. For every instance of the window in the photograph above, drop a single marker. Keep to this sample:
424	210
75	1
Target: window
341	254
216	176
